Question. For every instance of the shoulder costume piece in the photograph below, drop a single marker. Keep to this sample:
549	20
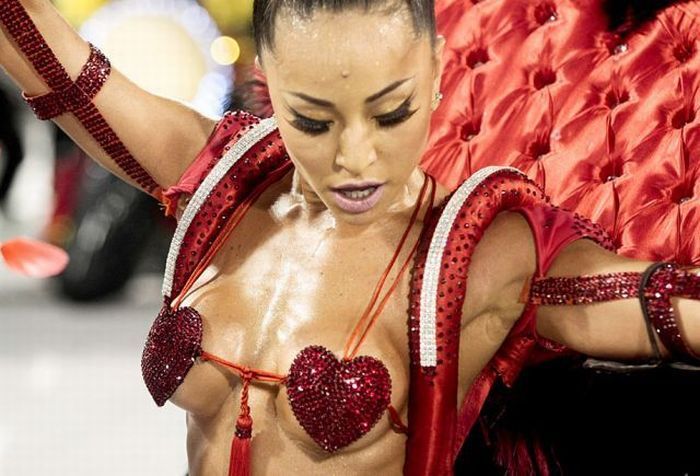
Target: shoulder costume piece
437	296
240	154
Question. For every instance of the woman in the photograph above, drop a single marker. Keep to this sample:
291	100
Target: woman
321	199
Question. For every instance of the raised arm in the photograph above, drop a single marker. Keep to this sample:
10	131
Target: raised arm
145	139
590	303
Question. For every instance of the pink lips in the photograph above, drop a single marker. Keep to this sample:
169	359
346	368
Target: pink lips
362	205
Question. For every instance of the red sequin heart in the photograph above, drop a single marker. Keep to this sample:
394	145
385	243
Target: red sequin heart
172	345
337	402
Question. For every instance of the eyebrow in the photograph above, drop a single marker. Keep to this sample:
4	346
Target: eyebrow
370	99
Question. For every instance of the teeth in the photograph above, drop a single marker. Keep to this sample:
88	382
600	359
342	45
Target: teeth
358	194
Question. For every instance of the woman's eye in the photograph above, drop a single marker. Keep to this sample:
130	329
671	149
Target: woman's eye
310	126
396	117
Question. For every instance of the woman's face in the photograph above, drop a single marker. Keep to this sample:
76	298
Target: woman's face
352	93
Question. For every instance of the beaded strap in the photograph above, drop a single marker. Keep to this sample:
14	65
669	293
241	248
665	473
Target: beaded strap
643	283
558	290
666	281
654	288
68	96
79	94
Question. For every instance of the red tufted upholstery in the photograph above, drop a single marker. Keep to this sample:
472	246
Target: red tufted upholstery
608	127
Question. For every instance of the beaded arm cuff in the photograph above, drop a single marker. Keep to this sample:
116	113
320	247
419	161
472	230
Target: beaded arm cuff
68	96
654	288
79	94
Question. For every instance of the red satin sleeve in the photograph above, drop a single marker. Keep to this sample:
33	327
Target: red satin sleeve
553	228
438	291
226	131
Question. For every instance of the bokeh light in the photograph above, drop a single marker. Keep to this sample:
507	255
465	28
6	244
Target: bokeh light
158	54
230	15
225	50
77	11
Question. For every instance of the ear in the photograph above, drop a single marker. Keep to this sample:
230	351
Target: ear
438	63
258	65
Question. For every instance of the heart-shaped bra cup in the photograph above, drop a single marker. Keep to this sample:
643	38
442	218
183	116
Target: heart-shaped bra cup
336	402
171	348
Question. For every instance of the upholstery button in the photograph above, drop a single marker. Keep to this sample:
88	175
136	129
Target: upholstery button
612	170
683	117
546	13
538	149
684	50
614	98
543	77
477	57
682	192
614	42
470	130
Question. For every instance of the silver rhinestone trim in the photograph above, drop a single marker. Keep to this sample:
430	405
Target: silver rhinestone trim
244	144
433	262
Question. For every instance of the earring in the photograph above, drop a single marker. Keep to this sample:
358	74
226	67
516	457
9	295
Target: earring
436	100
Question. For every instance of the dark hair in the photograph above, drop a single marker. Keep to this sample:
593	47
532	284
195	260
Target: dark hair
265	14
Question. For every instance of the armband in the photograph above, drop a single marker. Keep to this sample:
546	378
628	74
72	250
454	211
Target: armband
68	96
654	287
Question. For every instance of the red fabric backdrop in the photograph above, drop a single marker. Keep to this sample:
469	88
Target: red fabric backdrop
607	125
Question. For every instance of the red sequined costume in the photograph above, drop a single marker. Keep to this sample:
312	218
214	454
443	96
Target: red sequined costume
229	173
486	110
560	97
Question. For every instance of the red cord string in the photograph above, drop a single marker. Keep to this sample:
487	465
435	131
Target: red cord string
244	372
244	423
351	350
360	330
395	420
232	224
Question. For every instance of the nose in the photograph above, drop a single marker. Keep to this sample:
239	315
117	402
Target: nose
356	150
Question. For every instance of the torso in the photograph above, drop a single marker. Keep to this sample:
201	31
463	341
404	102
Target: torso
262	301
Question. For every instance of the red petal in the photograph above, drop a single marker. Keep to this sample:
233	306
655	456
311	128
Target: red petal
33	258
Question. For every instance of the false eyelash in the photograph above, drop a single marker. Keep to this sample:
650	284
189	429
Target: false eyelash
310	126
401	114
391	119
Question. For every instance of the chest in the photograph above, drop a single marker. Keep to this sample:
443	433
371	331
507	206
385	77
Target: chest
267	297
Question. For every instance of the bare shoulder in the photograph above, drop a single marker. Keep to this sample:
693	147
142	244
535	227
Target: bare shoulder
503	260
585	256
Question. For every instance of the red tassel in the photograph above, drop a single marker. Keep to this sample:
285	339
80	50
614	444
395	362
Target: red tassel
240	448
239	464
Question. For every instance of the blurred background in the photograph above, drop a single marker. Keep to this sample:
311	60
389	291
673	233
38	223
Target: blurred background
73	401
